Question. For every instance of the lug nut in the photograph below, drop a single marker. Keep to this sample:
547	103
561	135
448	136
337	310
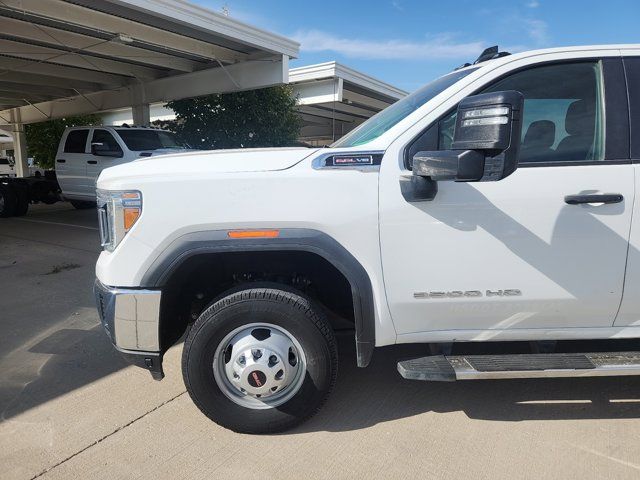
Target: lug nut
256	353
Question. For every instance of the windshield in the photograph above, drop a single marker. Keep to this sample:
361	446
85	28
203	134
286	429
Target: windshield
138	140
390	116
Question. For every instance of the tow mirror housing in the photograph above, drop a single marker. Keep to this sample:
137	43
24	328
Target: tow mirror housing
485	143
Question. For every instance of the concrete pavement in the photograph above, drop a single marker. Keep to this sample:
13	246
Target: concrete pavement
70	407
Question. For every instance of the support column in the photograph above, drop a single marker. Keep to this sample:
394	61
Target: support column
19	144
140	106
141	115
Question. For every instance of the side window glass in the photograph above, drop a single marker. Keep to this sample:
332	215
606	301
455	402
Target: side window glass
106	139
563	112
446	128
76	141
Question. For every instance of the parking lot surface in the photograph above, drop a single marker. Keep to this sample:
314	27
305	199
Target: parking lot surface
70	407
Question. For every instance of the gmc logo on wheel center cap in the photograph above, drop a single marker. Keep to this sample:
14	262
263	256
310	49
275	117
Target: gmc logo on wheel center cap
257	378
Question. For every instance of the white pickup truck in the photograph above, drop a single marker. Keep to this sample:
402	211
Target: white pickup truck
6	167
83	152
494	205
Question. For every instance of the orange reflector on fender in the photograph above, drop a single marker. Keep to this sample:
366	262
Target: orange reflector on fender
253	233
130	217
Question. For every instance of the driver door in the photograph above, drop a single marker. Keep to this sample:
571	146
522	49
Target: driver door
493	257
96	163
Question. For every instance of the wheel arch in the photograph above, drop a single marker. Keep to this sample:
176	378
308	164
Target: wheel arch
311	241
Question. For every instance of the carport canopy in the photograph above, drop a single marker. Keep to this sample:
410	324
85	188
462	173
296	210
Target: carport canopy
333	99
62	58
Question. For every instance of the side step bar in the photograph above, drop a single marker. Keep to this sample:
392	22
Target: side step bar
447	368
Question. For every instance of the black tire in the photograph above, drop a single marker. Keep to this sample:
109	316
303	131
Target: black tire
22	205
288	310
82	205
8	201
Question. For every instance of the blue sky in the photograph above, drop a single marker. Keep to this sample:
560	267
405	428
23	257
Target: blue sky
409	42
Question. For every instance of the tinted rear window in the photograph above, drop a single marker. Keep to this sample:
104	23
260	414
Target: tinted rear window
76	141
138	140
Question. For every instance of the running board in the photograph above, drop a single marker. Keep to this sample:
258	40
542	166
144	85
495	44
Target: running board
447	368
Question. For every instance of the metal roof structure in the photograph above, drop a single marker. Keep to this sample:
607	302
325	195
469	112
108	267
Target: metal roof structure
67	57
333	99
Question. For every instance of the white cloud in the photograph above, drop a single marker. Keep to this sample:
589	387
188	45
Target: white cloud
440	47
533	4
538	31
397	5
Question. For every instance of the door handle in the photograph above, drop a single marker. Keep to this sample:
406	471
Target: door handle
92	162
594	198
60	160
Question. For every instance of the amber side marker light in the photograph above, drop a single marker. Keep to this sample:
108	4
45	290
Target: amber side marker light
132	208
253	233
131	216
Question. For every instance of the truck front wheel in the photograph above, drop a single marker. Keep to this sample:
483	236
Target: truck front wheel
260	360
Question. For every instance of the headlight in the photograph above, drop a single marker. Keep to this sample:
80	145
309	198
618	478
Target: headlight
118	211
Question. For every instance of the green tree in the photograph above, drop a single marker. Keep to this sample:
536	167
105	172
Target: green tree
43	138
256	118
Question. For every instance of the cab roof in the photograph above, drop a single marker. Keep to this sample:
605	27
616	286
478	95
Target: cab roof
495	57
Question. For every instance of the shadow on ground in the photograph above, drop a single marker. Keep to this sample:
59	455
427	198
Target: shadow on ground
76	357
51	342
376	394
363	397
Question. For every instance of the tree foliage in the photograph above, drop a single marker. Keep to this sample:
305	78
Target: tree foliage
43	138
256	118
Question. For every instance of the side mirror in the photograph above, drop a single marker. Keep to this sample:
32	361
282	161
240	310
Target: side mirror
102	150
485	143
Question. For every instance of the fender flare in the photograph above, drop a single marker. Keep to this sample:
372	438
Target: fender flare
289	239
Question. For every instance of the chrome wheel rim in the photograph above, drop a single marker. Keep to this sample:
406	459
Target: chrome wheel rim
259	366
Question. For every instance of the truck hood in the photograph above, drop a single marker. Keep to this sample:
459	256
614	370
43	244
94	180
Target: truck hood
207	162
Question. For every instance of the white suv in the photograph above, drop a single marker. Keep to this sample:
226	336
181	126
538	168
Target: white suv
84	152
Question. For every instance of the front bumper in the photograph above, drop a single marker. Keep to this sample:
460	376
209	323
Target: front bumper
131	319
